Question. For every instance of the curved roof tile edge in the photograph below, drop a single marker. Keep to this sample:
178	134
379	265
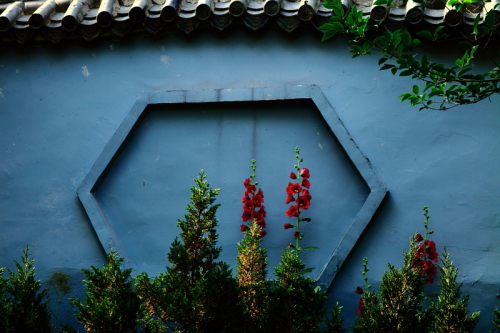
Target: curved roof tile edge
56	20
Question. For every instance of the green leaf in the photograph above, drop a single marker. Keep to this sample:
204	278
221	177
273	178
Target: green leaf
309	248
405	96
483	30
406	73
435	93
489	20
476	22
382	60
394	71
438	29
465	43
307	270
405	38
425	34
416	89
386	66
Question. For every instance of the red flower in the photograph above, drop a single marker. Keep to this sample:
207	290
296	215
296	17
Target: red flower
359	290
262	233
306	182
293	188
243	228
305	173
430	248
425	266
248	185
289	198
430	268
262	224
293	211
296	234
419	266
293	175
429	279
257	217
361	308
418	238
257	200
248	205
247	215
262	210
303	202
288	226
420	251
245	198
306	194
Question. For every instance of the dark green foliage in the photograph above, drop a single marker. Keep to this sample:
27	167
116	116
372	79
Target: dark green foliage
397	306
4	303
297	306
252	279
197	293
334	323
496	320
26	306
449	314
444	86
110	303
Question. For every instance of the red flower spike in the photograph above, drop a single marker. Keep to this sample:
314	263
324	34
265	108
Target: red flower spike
306	182
288	226
262	233
293	211
243	228
303	202
293	175
359	290
289	198
305	173
296	234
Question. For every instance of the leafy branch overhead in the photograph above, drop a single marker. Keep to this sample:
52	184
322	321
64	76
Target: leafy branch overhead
443	86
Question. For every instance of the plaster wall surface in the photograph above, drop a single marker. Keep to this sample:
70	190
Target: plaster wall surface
60	105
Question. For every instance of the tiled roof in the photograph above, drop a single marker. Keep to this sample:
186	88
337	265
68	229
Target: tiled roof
58	19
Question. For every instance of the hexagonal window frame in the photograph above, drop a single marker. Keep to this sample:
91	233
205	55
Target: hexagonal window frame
104	228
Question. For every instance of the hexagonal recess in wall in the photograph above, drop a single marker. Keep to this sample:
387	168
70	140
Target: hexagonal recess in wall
139	185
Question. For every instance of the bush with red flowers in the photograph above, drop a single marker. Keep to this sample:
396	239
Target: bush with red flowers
398	305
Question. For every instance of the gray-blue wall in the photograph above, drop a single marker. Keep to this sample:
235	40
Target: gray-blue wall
60	105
